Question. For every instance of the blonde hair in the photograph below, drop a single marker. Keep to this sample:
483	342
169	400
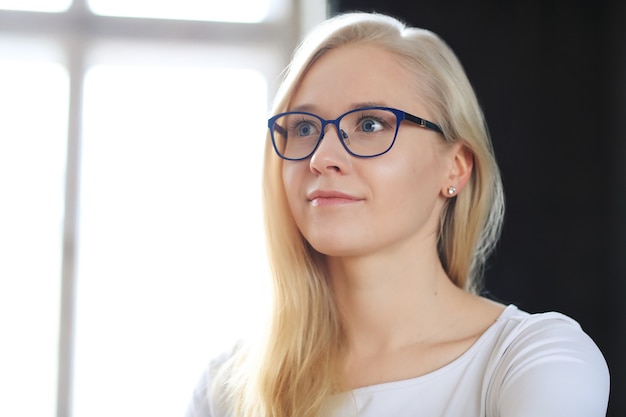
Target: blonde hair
298	365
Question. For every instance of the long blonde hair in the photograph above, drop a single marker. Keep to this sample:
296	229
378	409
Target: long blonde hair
298	364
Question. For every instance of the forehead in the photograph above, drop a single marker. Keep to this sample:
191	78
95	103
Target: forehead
357	74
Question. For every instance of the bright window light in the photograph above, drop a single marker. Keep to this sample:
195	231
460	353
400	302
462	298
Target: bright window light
34	109
215	10
36	5
172	267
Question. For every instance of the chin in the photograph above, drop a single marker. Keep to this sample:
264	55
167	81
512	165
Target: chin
336	248
337	240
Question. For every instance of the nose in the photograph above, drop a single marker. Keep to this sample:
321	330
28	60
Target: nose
330	155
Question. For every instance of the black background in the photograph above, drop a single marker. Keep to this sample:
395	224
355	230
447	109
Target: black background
551	78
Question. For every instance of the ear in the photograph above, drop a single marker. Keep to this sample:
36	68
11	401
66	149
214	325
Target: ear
460	170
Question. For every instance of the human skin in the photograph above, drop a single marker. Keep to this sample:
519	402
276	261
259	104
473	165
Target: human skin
391	200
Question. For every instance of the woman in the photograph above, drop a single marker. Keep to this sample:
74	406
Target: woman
382	203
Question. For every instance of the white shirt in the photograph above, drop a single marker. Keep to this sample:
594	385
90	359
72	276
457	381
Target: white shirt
524	365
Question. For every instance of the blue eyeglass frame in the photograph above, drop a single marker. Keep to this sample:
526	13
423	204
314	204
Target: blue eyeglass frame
400	116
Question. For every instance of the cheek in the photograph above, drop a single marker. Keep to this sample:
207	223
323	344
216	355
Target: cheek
411	187
415	172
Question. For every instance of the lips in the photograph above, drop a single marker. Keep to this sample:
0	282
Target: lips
321	198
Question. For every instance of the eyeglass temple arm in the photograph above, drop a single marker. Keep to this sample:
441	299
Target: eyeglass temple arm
281	130
422	122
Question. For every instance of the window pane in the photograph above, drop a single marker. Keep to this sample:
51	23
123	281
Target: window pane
172	260
216	10
36	5
34	109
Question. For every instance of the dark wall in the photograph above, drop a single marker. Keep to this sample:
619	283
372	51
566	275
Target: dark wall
551	77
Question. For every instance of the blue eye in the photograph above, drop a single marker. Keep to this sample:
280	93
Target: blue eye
370	125
304	129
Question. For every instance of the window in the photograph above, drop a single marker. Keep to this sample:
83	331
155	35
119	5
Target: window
33	142
216	10
36	5
130	157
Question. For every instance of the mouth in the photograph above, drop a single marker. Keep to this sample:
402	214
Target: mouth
321	198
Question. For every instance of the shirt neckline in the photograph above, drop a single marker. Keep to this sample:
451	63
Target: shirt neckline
461	359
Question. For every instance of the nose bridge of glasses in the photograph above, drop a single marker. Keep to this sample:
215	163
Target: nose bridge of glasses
341	135
340	132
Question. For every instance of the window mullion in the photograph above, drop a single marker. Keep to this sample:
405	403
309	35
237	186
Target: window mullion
76	68
78	7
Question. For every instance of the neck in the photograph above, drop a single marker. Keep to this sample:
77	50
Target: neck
386	304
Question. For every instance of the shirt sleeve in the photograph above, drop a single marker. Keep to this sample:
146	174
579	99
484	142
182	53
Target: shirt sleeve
199	404
550	369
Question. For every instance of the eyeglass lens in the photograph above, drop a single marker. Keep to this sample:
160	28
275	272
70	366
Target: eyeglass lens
364	132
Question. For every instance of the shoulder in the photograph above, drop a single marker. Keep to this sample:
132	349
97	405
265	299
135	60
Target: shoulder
202	403
545	365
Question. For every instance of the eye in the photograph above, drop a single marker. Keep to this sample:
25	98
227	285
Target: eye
303	128
370	125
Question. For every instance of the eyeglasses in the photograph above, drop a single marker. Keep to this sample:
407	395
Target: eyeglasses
364	132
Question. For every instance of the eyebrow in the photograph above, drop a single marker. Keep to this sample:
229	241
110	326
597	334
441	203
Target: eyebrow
311	108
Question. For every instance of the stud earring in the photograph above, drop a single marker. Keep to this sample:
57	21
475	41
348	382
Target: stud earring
451	190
